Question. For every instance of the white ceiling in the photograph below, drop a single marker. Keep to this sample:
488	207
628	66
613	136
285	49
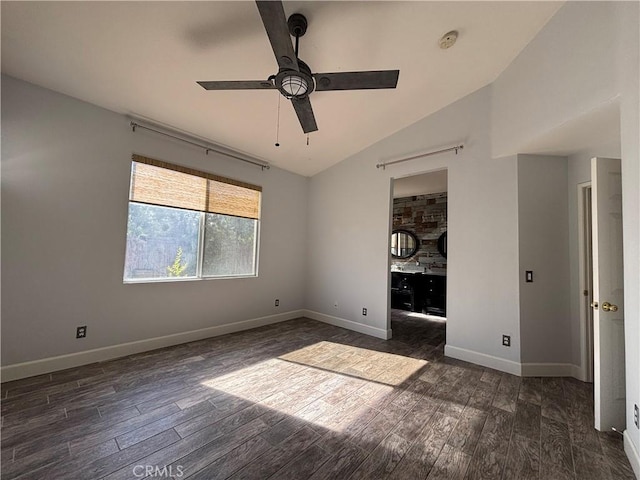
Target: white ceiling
143	58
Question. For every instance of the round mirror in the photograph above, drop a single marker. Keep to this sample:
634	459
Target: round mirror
442	244
404	244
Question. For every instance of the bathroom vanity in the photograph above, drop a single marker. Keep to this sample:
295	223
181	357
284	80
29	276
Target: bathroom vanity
419	292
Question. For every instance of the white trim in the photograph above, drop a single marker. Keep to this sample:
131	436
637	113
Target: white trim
349	324
551	370
632	453
578	373
483	359
515	368
46	365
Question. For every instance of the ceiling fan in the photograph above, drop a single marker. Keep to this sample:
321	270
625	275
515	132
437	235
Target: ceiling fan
294	79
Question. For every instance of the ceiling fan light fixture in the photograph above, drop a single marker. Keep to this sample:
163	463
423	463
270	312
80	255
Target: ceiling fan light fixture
294	85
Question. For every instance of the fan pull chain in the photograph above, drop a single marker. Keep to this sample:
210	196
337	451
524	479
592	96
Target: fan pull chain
278	124
307	139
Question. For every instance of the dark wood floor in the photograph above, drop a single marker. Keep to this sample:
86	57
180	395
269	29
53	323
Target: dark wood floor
302	399
417	329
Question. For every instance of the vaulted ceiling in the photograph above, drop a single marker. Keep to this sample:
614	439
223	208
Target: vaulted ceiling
144	58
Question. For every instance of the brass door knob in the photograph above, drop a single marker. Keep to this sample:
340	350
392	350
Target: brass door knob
609	307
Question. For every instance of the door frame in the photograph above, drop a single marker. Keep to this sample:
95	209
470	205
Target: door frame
585	284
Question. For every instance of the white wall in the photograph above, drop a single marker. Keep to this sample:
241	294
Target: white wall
65	184
349	205
567	70
433	182
628	61
543	227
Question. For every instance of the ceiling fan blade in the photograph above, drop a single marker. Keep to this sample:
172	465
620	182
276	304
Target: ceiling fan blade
237	85
275	23
304	111
356	80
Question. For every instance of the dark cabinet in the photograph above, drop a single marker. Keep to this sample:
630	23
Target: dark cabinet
402	291
419	292
435	299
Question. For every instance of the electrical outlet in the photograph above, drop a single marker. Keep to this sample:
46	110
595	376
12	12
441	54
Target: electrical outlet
277	302
81	332
364	312
635	416
506	340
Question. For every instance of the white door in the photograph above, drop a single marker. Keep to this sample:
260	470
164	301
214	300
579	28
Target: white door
609	377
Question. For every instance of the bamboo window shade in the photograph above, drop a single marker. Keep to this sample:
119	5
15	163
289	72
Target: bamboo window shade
160	183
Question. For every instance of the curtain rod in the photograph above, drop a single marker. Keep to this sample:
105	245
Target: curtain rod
207	148
456	148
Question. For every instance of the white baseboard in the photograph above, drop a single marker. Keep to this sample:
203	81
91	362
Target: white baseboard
580	372
515	368
632	454
497	363
349	325
46	365
551	370
52	364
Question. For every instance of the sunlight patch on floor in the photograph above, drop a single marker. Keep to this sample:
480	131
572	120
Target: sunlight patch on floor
381	367
432	318
328	384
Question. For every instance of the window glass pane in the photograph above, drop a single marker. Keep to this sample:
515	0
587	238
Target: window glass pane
229	246
162	242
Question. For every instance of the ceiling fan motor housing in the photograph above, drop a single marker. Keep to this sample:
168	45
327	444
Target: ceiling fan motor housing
286	77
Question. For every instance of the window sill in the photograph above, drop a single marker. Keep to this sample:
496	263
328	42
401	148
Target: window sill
180	280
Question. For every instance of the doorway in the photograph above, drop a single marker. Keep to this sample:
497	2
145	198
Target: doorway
418	260
601	291
585	252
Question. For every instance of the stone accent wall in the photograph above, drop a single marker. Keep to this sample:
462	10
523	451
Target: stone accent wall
426	217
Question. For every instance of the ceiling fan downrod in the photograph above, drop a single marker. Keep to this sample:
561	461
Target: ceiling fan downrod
297	24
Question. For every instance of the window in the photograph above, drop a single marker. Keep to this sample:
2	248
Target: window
189	224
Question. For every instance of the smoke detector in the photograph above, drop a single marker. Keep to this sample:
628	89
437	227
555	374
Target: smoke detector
448	40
